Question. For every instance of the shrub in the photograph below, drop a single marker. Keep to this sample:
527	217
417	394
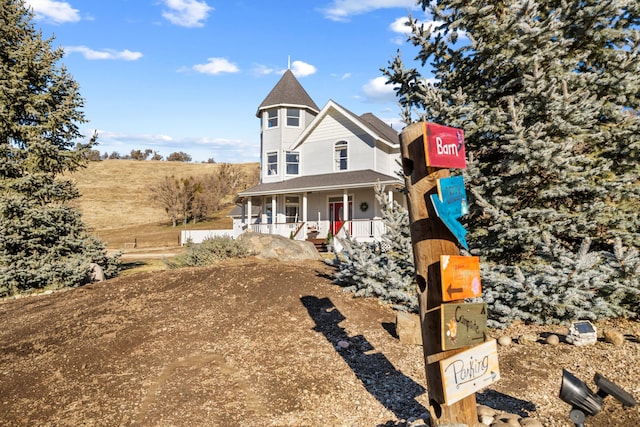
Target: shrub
209	252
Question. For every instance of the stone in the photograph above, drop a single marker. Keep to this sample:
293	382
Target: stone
343	344
486	410
613	336
582	333
504	341
553	339
486	420
530	422
527	339
408	328
96	274
272	246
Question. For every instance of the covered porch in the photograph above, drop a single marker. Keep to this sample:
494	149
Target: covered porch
316	208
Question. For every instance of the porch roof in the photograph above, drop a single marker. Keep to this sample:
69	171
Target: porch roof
324	182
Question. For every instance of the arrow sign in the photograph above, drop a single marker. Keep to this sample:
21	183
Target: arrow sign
450	204
462	324
460	277
467	372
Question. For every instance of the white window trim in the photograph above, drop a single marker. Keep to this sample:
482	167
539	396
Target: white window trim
277	117
286	114
269	164
286	163
336	164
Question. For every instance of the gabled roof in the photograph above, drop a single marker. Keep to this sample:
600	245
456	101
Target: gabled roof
288	91
369	123
323	182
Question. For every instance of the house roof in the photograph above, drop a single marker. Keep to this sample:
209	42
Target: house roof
369	123
288	91
324	182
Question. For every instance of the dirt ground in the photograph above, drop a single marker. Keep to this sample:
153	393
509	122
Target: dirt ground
256	342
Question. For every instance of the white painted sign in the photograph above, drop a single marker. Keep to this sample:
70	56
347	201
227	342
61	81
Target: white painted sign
469	371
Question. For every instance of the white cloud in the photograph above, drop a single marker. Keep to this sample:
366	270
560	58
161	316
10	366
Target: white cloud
377	90
186	13
109	54
263	70
57	12
216	66
302	69
342	10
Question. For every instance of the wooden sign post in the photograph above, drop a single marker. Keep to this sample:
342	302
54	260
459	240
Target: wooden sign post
431	239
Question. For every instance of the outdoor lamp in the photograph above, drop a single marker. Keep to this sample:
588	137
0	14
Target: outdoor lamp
585	402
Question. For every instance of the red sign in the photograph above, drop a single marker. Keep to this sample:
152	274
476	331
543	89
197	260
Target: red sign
444	146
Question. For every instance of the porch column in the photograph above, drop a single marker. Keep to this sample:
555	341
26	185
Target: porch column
274	213
345	205
248	211
304	207
390	198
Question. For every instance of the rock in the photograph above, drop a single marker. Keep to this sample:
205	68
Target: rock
504	341
96	274
506	420
408	328
530	422
486	410
581	333
528	339
486	420
613	336
279	247
553	339
343	344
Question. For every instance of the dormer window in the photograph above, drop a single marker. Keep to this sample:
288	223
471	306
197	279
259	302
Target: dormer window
293	117
272	118
340	156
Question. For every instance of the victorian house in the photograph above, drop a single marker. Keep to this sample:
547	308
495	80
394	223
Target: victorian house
318	169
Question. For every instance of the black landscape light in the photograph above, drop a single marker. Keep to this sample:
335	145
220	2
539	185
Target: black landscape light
585	402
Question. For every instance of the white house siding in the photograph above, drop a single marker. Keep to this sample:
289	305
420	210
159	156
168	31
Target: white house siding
318	149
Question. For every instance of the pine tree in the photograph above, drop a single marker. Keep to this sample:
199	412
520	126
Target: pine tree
382	269
43	242
547	93
548	96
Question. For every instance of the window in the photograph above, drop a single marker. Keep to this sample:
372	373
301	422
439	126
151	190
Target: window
293	117
292	208
272	163
341	156
272	118
293	162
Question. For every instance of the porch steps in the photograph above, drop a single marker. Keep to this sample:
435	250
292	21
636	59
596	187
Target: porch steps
320	244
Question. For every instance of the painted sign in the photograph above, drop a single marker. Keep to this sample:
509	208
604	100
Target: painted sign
469	371
450	204
463	324
460	277
444	146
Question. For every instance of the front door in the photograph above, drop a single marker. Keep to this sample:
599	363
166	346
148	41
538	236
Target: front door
336	215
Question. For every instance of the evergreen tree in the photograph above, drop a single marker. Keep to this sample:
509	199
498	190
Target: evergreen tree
547	93
43	242
382	269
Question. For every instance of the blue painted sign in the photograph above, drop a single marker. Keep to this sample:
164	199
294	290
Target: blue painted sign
450	204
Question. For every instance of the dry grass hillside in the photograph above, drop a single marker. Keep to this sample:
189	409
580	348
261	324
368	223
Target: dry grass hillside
115	200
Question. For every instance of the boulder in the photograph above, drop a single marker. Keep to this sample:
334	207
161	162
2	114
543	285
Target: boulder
272	246
96	274
408	328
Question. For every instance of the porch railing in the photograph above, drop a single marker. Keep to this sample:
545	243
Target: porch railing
359	229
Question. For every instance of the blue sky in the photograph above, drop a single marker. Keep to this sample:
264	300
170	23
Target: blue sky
189	75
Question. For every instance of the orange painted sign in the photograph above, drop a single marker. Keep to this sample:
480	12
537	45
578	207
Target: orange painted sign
460	277
444	146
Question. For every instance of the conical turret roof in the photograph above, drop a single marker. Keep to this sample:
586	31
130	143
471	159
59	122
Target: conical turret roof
288	91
